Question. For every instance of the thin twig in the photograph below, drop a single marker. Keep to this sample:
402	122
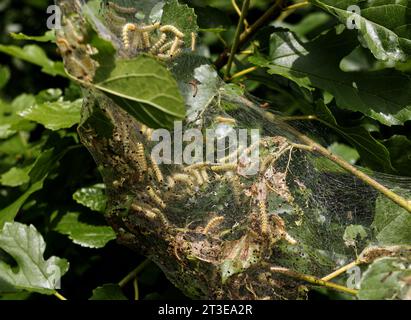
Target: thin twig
313	280
247	34
341	270
136	291
244	10
134	273
238	10
243	72
59	296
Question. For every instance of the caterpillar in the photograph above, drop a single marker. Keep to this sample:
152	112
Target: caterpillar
225	120
193	41
155	198
196	176
236	188
224	167
179	177
111	16
199	165
141	158
148	28
213	223
159	43
120	9
174	47
146	40
176	53
172	29
204	175
171	182
162	217
157	171
165	47
263	217
146	212
128	27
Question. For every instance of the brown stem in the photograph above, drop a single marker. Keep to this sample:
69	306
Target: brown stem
248	33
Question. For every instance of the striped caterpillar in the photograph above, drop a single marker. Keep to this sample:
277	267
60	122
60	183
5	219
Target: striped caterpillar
263	217
127	28
157	171
155	197
120	9
213	223
158	44
141	157
172	29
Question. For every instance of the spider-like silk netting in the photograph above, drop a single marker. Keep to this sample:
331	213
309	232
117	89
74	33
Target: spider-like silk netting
214	231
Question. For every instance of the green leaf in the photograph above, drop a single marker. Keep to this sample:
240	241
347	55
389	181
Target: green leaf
382	95
212	20
383	25
93	197
353	234
26	245
41	168
386	278
347	153
392	224
108	292
400	153
49	36
145	89
35	55
83	234
15	177
180	16
4	76
54	115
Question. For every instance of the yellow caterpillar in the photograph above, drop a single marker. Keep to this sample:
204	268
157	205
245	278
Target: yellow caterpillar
172	29
159	43
213	223
155	198
141	157
120	9
263	217
157	171
127	28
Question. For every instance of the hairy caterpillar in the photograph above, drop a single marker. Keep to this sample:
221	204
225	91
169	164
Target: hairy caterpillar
196	176
180	177
162	217
159	43
148	28
146	40
155	197
172	29
165	47
111	16
145	211
120	9
263	217
157	171
237	190
204	175
171	182
127	28
224	167
213	223
141	157
174	47
225	120
200	165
